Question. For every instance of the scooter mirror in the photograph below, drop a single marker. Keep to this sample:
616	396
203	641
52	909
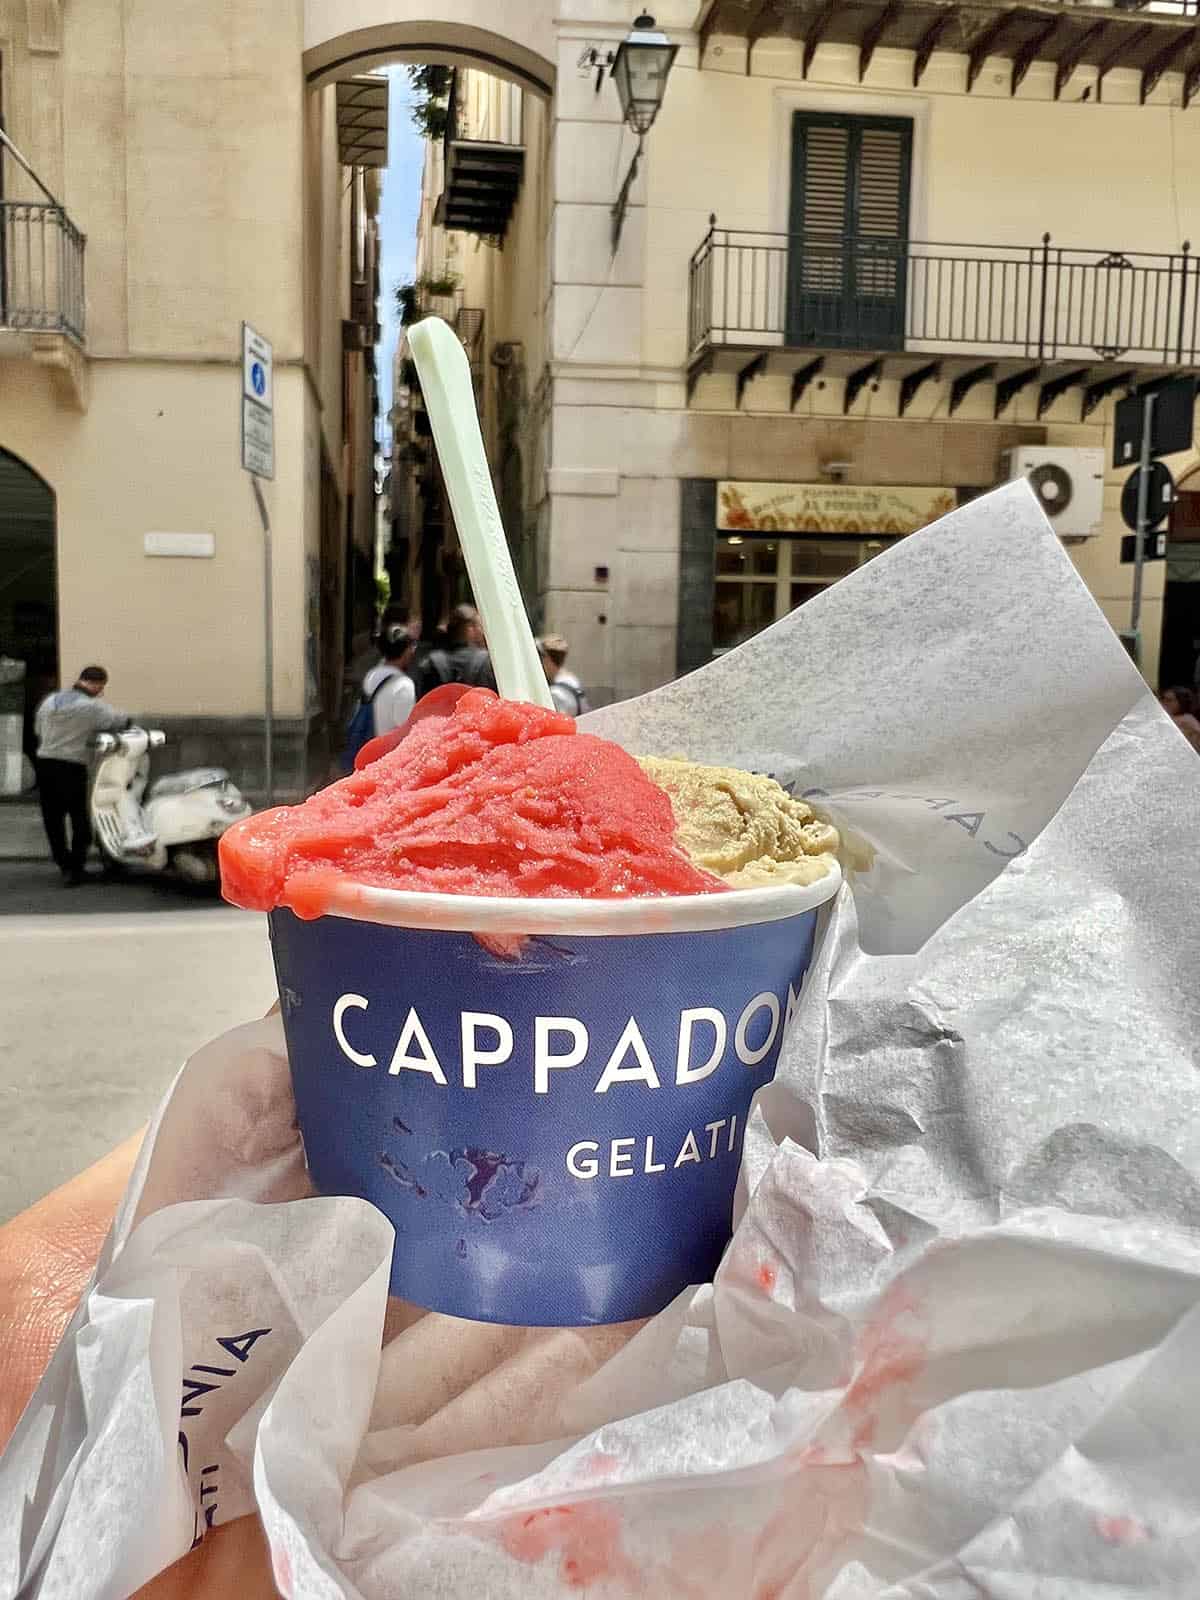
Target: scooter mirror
157	738
104	743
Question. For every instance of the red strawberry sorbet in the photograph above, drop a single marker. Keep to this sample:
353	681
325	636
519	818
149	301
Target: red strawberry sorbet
498	798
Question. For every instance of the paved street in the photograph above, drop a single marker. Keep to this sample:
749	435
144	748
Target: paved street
105	990
33	888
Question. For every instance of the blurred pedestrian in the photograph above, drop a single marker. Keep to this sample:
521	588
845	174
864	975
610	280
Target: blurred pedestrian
387	693
66	723
1180	705
363	660
462	659
565	688
389	685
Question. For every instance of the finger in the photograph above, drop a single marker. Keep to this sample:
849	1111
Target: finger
46	1258
234	1559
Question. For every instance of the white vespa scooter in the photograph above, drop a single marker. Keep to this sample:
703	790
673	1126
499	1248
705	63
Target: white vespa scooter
173	827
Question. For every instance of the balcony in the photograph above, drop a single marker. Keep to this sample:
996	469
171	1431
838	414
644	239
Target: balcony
468	325
484	156
41	271
1150	36
868	308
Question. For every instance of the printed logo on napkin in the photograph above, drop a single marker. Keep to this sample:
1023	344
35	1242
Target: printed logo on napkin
556	1135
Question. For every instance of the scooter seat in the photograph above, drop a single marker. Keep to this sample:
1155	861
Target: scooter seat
184	782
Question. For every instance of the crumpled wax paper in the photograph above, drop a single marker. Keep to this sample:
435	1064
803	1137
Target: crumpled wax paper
950	1352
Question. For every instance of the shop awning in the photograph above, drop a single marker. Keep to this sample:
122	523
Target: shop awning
362	121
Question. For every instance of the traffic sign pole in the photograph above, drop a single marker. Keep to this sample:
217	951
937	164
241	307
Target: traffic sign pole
269	650
1143	517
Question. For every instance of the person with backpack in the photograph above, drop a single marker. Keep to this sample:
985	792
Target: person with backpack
463	658
388	692
565	688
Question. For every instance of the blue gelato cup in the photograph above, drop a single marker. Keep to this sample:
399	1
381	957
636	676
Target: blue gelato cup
547	1098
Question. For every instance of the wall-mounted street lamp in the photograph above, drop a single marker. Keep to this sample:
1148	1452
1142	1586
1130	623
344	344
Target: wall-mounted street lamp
639	69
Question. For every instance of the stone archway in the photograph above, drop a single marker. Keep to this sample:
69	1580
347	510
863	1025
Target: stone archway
510	38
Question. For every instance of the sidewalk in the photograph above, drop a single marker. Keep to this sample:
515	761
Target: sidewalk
21	835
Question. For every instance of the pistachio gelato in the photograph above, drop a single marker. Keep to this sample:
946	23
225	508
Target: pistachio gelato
742	826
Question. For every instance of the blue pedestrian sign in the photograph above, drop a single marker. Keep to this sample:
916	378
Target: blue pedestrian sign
257	365
258	404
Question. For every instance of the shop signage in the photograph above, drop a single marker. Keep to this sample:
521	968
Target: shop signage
828	508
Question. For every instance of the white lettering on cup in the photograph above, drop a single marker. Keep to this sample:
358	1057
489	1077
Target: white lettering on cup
583	1167
713	1128
684	1071
745	1053
688	1151
621	1151
544	1059
341	1006
732	1131
614	1072
412	1032
472	1055
651	1164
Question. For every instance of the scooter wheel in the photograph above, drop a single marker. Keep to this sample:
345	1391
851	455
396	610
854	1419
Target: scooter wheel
197	867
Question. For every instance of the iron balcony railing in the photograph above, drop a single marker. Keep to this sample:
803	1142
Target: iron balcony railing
41	269
1046	302
440	305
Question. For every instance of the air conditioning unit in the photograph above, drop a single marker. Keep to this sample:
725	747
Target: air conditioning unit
1068	483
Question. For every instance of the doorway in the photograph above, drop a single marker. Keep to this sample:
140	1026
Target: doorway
848	231
1179	656
28	609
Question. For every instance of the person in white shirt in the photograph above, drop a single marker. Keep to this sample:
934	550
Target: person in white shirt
396	694
565	688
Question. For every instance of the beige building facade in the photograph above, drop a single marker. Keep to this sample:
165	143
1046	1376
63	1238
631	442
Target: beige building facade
833	275
212	186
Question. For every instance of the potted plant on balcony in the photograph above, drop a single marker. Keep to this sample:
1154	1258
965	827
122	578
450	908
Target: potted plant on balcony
415	300
431	94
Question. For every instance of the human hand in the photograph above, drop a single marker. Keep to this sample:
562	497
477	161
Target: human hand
46	1258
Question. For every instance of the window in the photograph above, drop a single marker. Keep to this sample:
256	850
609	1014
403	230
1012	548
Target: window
760	580
848	227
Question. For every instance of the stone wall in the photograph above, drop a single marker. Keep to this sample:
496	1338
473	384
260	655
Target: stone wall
302	753
630	560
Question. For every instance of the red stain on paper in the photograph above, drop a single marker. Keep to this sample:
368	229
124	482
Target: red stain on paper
281	1567
826	1500
796	1552
1122	1530
815	1502
891	1355
585	1537
601	1464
